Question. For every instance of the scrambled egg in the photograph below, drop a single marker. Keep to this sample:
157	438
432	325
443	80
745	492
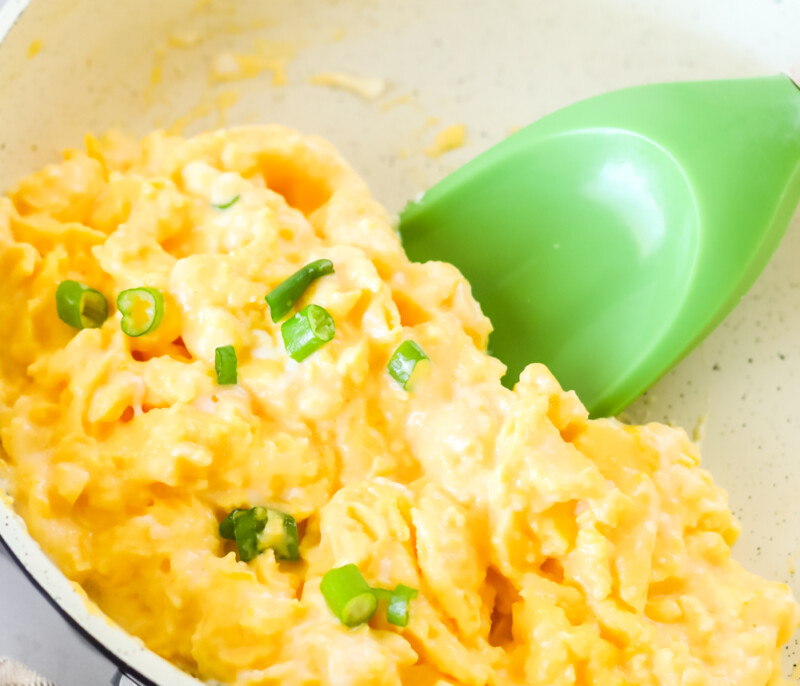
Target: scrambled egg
546	548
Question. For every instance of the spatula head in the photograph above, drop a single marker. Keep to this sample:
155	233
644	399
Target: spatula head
607	239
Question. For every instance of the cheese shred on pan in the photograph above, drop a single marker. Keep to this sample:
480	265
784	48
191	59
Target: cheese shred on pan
511	539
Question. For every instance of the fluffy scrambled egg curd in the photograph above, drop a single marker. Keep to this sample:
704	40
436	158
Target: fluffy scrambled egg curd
289	502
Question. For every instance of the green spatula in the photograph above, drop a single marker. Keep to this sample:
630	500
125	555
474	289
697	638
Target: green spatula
607	239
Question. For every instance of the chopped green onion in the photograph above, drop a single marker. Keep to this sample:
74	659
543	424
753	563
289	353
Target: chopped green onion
259	529
397	609
404	361
226	528
283	297
307	331
230	203
397	613
225	365
245	533
80	306
142	310
382	594
280	535
348	595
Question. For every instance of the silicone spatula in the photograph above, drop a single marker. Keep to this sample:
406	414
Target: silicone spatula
608	238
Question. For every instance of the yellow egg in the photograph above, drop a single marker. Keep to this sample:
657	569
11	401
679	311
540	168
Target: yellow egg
546	548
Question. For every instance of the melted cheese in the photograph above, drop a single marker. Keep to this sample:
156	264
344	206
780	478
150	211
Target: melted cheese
547	548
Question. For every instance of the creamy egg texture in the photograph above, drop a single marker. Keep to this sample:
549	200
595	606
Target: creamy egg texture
547	548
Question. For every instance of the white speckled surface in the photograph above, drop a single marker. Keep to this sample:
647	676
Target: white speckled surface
463	61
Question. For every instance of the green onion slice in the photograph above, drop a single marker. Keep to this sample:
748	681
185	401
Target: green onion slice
230	203
404	361
225	365
382	594
307	331
397	613
226	526
283	297
279	534
348	595
245	533
142	310
259	529
80	306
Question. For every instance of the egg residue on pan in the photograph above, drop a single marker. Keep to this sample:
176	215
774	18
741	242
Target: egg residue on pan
363	87
254	476
449	138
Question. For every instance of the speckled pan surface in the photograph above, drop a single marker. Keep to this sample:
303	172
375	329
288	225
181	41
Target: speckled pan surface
492	66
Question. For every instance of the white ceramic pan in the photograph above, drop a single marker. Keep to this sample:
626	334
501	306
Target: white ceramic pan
72	66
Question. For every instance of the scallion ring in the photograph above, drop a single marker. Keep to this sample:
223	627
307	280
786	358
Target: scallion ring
307	331
230	203
404	362
397	612
245	533
348	595
262	528
80	306
225	364
226	526
279	534
142	310
382	593
284	296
